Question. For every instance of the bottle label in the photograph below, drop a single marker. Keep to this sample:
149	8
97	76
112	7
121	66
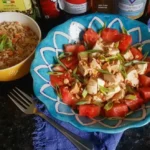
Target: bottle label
75	8
131	7
15	5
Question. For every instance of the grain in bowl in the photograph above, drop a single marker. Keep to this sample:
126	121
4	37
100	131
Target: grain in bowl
17	42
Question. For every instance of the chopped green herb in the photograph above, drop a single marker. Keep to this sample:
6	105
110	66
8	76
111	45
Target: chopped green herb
116	45
108	106
120	57
124	30
145	55
102	28
84	93
134	62
82	102
123	71
57	59
5	42
103	71
55	73
75	70
130	97
130	89
103	90
58	91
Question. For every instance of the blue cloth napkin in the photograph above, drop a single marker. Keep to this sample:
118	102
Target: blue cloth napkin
46	137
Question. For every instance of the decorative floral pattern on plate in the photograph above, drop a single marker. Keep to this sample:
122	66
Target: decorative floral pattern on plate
70	32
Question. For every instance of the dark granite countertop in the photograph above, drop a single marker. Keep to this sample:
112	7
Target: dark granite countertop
16	128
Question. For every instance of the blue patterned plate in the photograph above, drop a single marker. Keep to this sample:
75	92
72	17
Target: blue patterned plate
70	32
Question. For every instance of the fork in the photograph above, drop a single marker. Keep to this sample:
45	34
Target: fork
26	104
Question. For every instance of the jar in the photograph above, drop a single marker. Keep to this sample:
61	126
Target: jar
133	9
74	6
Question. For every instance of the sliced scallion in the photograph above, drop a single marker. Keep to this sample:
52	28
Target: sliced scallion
130	97
130	89
58	91
145	55
84	93
55	73
57	59
108	106
124	30
103	90
82	102
103	71
134	62
123	71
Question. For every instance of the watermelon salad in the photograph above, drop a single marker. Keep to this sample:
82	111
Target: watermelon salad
103	74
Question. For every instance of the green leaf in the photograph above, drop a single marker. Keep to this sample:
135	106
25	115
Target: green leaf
116	45
84	93
75	70
130	97
103	90
55	73
124	30
134	62
103	71
62	55
120	57
58	91
108	106
130	89
57	59
123	71
82	102
145	55
102	28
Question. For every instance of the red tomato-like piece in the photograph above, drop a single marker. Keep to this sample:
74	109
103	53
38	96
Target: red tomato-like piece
90	37
90	111
67	97
110	35
144	80
145	93
125	42
59	79
136	53
74	48
118	110
135	104
70	62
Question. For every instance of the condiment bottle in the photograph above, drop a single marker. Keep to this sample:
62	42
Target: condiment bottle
49	8
104	6
74	6
133	9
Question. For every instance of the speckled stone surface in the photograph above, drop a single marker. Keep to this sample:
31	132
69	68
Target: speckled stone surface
16	128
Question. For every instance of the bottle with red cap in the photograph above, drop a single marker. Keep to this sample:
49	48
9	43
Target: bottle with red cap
74	6
71	8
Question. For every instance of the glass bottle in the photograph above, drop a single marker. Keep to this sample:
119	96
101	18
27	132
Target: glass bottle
133	9
104	6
